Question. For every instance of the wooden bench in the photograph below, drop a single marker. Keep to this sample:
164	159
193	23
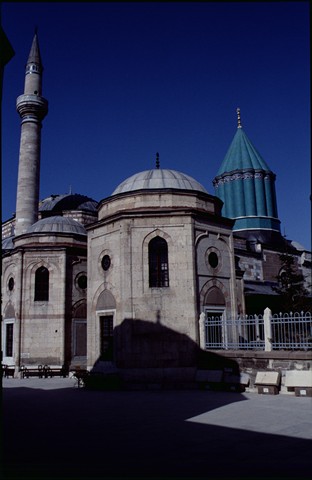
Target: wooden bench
27	372
43	371
7	370
55	371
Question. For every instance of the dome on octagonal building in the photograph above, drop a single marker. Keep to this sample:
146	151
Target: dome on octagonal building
155	189
58	224
159	178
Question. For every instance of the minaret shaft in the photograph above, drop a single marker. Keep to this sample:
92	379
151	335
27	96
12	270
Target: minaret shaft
32	108
28	178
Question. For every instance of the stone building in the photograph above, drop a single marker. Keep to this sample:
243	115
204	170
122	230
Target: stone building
159	255
125	281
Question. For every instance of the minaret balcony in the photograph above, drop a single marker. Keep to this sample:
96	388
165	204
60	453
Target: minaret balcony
32	105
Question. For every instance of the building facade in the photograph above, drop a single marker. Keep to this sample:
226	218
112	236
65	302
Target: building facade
125	283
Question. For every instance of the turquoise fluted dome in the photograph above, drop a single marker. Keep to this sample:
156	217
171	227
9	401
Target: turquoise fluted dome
242	155
246	185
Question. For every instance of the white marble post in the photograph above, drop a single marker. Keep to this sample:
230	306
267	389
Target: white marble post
267	330
202	339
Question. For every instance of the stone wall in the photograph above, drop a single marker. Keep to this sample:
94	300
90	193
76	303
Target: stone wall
279	361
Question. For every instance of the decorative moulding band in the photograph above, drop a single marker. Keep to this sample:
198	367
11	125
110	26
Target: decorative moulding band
243	176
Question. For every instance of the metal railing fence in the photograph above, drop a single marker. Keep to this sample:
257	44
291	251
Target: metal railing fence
292	331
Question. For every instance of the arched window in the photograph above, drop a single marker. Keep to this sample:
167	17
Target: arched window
42	284
158	263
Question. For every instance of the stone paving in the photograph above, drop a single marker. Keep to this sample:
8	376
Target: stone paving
54	430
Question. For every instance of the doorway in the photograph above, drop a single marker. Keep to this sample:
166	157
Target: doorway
7	342
215	331
107	338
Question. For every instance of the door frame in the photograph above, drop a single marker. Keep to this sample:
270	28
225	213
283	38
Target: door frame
76	321
8	360
220	311
104	313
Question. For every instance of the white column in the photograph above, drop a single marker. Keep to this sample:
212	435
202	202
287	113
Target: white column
202	339
267	330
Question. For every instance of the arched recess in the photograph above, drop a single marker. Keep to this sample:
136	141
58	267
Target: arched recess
105	301
215	297
30	275
8	335
79	330
9	311
214	300
212	290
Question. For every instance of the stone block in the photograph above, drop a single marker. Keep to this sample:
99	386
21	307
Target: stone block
268	383
235	382
298	378
244	379
268	378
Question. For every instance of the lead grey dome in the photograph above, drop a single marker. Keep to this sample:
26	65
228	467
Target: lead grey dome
58	224
68	201
159	179
7	243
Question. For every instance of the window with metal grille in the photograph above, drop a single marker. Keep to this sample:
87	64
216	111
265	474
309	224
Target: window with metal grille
9	340
107	338
158	263
42	284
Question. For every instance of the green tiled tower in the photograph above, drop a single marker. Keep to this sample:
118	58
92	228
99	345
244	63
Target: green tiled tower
246	185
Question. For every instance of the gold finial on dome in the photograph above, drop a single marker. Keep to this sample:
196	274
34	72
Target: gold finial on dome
239	125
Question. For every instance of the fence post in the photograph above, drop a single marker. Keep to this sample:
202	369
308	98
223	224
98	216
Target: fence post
202	339
267	317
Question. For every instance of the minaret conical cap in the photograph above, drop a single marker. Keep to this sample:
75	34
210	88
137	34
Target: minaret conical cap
34	54
242	155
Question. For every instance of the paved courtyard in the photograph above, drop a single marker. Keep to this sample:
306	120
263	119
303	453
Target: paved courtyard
53	430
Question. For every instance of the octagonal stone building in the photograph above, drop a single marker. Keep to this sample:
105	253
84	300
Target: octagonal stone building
159	255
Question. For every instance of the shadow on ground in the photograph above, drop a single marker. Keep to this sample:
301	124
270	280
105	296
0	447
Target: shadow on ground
79	434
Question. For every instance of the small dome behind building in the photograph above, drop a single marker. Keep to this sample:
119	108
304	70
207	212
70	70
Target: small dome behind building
58	224
159	179
68	201
7	243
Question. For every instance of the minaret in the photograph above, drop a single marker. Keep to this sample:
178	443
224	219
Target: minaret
32	108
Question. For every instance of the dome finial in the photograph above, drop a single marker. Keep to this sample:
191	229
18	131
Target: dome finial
157	161
239	125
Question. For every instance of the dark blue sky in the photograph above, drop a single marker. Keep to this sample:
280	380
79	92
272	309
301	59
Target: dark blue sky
125	80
